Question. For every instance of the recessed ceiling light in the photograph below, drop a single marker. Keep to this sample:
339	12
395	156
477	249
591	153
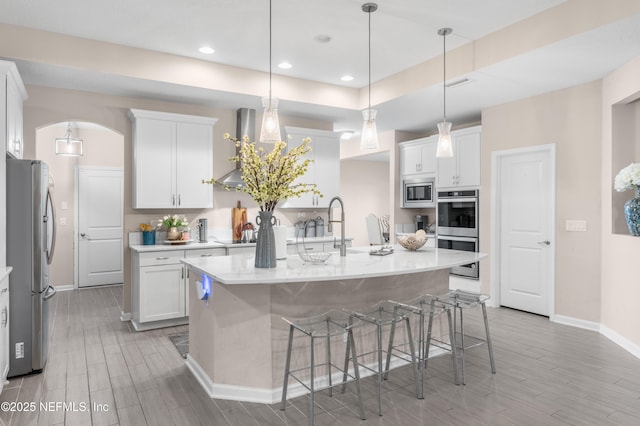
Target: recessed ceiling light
346	135
346	78
206	50
284	65
322	38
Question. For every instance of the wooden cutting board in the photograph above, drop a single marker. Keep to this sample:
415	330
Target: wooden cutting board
238	218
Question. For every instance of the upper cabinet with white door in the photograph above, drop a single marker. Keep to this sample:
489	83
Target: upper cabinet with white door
463	169
172	153
12	96
324	171
418	156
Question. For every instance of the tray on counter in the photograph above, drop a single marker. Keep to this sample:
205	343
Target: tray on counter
383	251
177	242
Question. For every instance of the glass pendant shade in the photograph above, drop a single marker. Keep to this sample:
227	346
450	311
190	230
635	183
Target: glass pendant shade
369	132
68	145
270	130
445	148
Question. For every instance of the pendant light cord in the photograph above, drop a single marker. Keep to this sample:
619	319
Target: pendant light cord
369	60
269	53
444	76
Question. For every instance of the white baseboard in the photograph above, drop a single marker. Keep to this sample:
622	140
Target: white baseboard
65	287
273	396
623	342
125	316
575	322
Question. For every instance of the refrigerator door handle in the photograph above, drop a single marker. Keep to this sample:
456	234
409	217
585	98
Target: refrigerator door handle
51	249
49	292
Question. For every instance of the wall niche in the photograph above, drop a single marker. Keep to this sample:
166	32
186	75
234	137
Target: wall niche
625	150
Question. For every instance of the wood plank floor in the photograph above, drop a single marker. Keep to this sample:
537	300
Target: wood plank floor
548	374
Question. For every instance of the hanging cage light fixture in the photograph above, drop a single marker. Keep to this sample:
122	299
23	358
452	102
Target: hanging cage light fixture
369	138
270	130
445	148
68	145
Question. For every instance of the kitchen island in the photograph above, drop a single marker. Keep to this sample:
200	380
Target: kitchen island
237	337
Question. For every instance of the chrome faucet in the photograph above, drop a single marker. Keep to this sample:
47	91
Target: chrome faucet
343	244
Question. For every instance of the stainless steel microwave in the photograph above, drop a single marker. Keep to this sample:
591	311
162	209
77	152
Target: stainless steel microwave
418	192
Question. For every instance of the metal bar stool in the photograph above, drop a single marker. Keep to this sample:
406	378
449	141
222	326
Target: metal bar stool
428	307
460	300
324	326
381	315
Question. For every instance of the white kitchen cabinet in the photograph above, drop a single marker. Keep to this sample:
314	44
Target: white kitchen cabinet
463	169
172	153
241	249
324	171
418	156
158	289
12	96
4	329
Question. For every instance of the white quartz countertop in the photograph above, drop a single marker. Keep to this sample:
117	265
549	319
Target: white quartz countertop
217	244
358	263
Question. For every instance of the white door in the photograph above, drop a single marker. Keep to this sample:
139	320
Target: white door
100	226
525	217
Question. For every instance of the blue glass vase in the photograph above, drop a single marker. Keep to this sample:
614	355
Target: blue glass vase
632	214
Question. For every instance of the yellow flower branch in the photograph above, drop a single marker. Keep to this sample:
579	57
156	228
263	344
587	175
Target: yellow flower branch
271	177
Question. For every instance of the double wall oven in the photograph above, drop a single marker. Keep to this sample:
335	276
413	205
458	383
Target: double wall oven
458	226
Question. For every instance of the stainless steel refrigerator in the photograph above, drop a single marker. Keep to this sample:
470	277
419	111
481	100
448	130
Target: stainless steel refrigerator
30	246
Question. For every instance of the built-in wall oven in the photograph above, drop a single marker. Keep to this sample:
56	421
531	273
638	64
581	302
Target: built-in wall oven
458	226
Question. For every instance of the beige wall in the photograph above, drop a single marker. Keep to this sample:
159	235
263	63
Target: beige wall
364	187
101	148
620	279
570	119
47	105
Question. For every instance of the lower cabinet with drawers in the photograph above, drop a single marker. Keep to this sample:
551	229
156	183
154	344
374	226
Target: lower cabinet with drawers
159	292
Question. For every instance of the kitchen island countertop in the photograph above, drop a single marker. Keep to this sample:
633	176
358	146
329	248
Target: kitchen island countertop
358	263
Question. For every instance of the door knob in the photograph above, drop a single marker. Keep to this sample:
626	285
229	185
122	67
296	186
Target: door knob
82	234
545	242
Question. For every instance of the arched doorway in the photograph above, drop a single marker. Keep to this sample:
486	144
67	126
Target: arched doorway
103	149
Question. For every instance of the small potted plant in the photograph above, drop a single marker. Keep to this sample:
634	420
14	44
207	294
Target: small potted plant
171	223
148	234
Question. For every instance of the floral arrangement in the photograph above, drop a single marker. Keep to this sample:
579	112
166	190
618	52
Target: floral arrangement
173	221
628	178
269	177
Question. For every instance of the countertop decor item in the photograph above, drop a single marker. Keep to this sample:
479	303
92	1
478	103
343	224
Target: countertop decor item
171	223
270	178
413	241
629	178
148	234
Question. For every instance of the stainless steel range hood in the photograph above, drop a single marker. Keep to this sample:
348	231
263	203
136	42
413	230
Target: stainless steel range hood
245	126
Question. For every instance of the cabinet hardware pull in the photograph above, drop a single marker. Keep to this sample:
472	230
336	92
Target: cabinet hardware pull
173	200
4	290
179	200
162	258
205	255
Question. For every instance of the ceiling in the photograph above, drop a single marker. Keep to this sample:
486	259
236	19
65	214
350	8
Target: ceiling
403	35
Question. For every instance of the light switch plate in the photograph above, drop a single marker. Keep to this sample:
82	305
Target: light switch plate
576	225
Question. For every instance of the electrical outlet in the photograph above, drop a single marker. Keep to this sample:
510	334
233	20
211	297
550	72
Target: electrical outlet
576	226
64	205
302	214
63	221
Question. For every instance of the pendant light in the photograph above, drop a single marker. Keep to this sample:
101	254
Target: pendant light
369	132
445	148
68	145
270	130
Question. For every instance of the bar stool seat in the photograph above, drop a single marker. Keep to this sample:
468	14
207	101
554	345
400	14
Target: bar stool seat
428	307
460	300
387	314
325	326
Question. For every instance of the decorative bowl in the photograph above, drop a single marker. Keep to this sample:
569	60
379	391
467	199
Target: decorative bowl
413	241
314	256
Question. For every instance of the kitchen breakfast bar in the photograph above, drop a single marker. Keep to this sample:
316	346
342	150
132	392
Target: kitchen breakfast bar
237	338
